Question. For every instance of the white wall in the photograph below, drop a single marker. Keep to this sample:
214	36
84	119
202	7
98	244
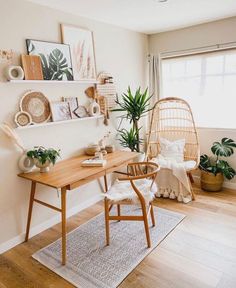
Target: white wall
118	51
216	32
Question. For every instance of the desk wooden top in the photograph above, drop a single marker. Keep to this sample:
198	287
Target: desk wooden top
69	171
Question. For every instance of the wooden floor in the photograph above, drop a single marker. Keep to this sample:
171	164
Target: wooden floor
199	253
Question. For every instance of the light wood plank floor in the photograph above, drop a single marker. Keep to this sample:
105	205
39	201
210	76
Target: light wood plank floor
199	253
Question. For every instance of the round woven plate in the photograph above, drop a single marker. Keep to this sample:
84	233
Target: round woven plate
37	105
23	118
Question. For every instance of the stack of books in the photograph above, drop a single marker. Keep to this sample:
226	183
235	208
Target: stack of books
94	162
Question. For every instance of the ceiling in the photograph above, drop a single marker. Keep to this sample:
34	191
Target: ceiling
147	16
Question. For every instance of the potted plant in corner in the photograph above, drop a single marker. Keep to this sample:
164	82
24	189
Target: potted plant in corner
213	170
134	105
43	157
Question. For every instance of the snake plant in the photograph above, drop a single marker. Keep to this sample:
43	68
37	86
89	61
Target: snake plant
134	105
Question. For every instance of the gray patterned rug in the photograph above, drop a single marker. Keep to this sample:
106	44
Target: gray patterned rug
91	264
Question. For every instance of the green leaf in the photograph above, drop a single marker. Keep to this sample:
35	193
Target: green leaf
224	148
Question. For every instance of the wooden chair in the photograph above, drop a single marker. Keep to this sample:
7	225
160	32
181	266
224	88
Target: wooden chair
172	119
137	186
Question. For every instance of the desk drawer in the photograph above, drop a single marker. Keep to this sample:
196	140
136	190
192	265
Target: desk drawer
86	180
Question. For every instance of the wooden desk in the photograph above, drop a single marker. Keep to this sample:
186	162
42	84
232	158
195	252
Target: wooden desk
67	175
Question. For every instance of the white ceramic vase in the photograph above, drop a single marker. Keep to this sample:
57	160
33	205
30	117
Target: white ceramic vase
25	163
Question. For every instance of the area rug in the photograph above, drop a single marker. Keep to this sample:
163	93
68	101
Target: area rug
91	264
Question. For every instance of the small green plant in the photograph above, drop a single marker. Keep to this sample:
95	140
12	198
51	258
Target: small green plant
225	148
43	155
135	106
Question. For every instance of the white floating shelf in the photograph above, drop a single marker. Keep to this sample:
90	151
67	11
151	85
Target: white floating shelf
59	122
54	81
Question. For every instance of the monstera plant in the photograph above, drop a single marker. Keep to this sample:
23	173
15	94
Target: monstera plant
213	170
134	106
56	66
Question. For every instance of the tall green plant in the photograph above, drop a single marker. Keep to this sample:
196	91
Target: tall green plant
225	148
134	105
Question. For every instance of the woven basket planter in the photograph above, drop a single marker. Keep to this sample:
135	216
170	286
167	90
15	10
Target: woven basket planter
211	182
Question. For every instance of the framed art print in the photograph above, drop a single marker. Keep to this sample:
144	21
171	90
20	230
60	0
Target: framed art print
82	51
73	103
55	59
60	111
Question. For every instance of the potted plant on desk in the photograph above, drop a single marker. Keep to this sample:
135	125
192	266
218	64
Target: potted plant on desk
135	106
214	170
43	157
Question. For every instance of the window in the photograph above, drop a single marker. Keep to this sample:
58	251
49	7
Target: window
207	82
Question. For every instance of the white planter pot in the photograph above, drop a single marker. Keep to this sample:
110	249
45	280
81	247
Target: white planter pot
43	167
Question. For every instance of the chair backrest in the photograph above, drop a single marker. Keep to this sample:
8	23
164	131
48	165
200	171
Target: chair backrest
172	119
142	170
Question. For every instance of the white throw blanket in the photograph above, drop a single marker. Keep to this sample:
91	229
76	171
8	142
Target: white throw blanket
172	180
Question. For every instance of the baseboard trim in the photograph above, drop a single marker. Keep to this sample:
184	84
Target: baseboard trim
47	224
226	184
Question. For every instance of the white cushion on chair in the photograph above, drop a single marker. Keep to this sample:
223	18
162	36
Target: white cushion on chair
122	190
172	150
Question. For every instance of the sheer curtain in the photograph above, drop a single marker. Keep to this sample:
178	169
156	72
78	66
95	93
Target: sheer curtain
154	78
207	81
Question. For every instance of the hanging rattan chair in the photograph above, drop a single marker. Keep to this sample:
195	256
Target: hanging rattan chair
172	119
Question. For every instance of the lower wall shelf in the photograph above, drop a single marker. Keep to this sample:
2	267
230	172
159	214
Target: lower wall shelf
59	122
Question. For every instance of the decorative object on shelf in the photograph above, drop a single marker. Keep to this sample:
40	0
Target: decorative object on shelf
94	109
13	72
60	111
6	54
213	171
81	112
107	88
37	105
82	51
134	105
23	118
92	149
91	92
25	163
55	59
43	157
102	101
73	103
32	67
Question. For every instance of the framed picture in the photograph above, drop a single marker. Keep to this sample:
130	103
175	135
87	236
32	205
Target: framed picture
82	51
55	59
60	111
73	102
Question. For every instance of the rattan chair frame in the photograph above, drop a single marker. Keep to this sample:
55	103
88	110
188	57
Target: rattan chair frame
172	118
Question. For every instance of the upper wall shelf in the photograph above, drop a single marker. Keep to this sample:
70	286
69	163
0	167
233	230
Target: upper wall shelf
55	81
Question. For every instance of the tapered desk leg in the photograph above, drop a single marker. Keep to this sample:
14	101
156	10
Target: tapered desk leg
31	202
105	183
63	224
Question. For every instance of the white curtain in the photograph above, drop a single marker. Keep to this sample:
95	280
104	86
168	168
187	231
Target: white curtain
154	78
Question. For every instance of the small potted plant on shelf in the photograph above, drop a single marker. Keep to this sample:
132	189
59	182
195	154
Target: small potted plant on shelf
43	157
213	170
134	105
